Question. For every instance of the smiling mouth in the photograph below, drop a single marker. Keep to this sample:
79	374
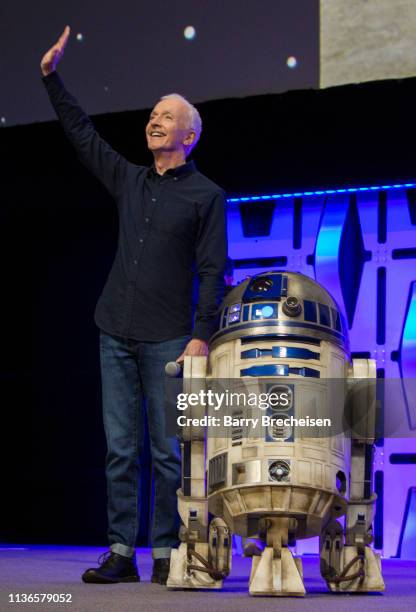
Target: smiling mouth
156	134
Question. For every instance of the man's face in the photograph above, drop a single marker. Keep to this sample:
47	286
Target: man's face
168	128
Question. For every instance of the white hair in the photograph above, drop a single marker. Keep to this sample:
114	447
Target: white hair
194	118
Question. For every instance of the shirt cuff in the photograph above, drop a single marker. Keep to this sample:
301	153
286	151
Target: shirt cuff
52	77
203	330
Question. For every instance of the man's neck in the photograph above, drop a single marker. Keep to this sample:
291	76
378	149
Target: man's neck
168	160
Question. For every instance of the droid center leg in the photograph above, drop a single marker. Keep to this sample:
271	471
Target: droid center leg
276	571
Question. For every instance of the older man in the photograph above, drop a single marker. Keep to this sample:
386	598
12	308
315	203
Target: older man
170	218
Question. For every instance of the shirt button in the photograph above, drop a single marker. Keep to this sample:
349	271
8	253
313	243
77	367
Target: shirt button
153	199
141	240
147	219
175	178
135	262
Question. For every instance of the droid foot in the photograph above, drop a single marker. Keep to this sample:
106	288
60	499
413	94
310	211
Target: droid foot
183	574
276	576
361	573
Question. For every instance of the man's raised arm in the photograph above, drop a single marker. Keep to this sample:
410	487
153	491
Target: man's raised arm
96	154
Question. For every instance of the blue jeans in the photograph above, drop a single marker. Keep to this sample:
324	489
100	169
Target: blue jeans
130	372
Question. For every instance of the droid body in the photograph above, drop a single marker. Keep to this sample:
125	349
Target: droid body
268	475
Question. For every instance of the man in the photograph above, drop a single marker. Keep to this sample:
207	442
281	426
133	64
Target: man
170	217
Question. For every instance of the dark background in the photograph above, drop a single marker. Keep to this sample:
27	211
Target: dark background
58	235
134	51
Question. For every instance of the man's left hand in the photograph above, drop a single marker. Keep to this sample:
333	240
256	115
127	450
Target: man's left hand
194	348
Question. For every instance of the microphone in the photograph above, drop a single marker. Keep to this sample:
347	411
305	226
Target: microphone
173	369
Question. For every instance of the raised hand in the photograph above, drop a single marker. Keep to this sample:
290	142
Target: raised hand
51	58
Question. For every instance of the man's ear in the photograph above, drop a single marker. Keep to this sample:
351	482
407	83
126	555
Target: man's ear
189	138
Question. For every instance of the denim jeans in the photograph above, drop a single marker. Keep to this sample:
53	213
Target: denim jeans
132	371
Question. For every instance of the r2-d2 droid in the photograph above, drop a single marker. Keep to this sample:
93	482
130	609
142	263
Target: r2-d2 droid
275	484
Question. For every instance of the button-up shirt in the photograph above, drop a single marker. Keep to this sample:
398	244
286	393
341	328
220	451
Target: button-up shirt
170	226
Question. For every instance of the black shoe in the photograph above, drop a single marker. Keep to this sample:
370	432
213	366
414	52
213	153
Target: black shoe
160	570
113	568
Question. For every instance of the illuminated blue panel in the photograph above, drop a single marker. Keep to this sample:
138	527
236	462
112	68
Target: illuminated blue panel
235	308
234	313
234	317
246	311
309	309
264	311
408	536
408	357
303	194
328	246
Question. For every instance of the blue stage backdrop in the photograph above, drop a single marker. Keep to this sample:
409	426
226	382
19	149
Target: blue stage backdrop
361	245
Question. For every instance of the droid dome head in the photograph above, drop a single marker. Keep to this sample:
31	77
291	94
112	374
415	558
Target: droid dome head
281	304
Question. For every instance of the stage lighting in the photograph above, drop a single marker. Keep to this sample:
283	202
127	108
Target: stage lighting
189	32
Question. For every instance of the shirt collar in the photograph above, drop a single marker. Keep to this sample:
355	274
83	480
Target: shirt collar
179	171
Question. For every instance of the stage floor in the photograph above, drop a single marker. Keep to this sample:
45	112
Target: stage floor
57	569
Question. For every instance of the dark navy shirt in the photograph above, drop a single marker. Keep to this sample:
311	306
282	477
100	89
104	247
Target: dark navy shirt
169	226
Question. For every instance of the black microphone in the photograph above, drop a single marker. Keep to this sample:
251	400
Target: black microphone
173	369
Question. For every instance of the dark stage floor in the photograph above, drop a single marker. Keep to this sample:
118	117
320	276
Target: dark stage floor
52	569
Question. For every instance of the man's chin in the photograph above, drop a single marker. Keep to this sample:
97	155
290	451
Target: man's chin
159	149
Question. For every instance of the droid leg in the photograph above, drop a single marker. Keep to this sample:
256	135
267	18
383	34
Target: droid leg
197	564
203	558
351	565
276	571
